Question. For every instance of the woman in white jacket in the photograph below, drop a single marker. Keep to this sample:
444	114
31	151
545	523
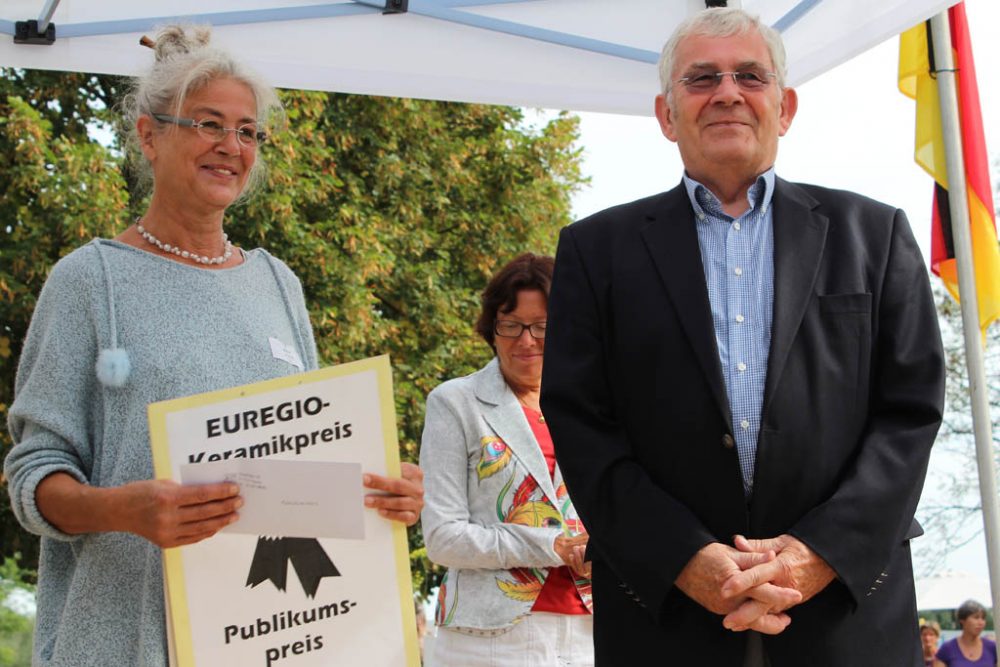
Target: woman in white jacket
497	514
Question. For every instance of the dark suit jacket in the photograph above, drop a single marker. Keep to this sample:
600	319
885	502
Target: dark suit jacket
633	392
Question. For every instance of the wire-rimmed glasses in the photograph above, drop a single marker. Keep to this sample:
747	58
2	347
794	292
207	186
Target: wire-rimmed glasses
749	80
247	135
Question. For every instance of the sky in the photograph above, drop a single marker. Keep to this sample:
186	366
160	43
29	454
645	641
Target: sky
853	130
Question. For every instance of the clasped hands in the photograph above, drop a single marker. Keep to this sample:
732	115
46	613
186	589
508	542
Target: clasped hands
755	582
572	551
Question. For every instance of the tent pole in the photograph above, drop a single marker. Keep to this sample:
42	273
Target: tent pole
961	235
46	16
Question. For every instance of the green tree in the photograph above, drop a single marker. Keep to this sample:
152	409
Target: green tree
16	626
393	213
951	509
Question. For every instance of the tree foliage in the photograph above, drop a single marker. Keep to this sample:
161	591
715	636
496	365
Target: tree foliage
16	623
951	510
393	213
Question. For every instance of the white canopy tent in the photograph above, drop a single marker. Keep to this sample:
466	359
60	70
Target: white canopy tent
950	589
585	55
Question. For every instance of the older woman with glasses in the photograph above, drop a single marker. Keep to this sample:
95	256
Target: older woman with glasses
497	514
169	308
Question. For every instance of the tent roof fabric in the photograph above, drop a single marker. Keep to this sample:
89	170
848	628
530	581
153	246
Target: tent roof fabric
950	589
587	55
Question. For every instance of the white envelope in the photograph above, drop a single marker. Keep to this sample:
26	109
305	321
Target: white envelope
290	498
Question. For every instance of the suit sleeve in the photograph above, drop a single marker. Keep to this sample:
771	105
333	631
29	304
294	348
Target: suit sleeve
613	493
869	514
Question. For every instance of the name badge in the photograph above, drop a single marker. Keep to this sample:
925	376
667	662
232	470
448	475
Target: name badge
286	353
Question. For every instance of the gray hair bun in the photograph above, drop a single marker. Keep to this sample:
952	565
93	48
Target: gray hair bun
180	40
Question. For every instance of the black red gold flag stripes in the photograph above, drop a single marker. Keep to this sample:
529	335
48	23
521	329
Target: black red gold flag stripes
916	80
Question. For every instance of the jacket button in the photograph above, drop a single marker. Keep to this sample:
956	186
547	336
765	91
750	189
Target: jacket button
728	442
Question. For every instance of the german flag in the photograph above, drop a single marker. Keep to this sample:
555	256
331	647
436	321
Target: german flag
917	81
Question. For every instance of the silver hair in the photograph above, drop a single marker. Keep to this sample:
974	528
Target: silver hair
184	64
721	22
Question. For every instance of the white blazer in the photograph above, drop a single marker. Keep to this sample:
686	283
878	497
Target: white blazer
491	511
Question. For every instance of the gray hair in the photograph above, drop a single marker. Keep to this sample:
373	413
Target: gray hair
184	64
970	608
721	22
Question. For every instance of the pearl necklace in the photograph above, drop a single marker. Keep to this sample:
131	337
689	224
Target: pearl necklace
174	250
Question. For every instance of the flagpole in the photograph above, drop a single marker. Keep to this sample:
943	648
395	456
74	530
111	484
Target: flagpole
962	238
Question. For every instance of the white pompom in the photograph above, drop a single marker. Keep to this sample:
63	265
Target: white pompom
113	367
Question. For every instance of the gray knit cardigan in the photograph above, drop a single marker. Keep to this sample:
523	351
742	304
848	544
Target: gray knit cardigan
185	330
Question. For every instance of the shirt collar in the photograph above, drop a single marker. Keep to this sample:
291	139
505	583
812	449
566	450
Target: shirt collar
705	203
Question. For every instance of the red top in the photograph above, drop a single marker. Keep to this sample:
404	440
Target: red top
558	594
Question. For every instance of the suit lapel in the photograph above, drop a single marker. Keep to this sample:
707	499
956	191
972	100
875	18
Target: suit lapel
672	241
799	238
502	411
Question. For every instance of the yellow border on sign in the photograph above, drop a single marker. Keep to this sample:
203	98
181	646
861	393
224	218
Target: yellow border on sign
401	545
172	558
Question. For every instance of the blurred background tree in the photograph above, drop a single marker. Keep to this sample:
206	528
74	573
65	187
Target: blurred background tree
393	213
951	506
16	620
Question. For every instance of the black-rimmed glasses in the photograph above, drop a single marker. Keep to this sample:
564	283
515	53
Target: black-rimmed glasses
749	80
512	329
247	135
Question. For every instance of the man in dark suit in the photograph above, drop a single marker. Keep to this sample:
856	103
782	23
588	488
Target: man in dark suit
743	378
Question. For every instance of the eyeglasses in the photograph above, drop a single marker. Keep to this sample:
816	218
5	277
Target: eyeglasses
512	329
248	135
749	80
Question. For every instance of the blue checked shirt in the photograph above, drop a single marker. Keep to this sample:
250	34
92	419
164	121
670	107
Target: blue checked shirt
738	257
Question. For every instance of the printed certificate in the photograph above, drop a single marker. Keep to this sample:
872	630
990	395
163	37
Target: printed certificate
329	583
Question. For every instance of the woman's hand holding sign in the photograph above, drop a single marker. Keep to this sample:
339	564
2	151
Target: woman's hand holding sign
164	512
402	498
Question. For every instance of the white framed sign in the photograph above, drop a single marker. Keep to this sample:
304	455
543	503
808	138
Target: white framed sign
329	583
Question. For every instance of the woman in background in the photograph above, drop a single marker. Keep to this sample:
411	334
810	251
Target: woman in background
969	649
930	637
497	514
